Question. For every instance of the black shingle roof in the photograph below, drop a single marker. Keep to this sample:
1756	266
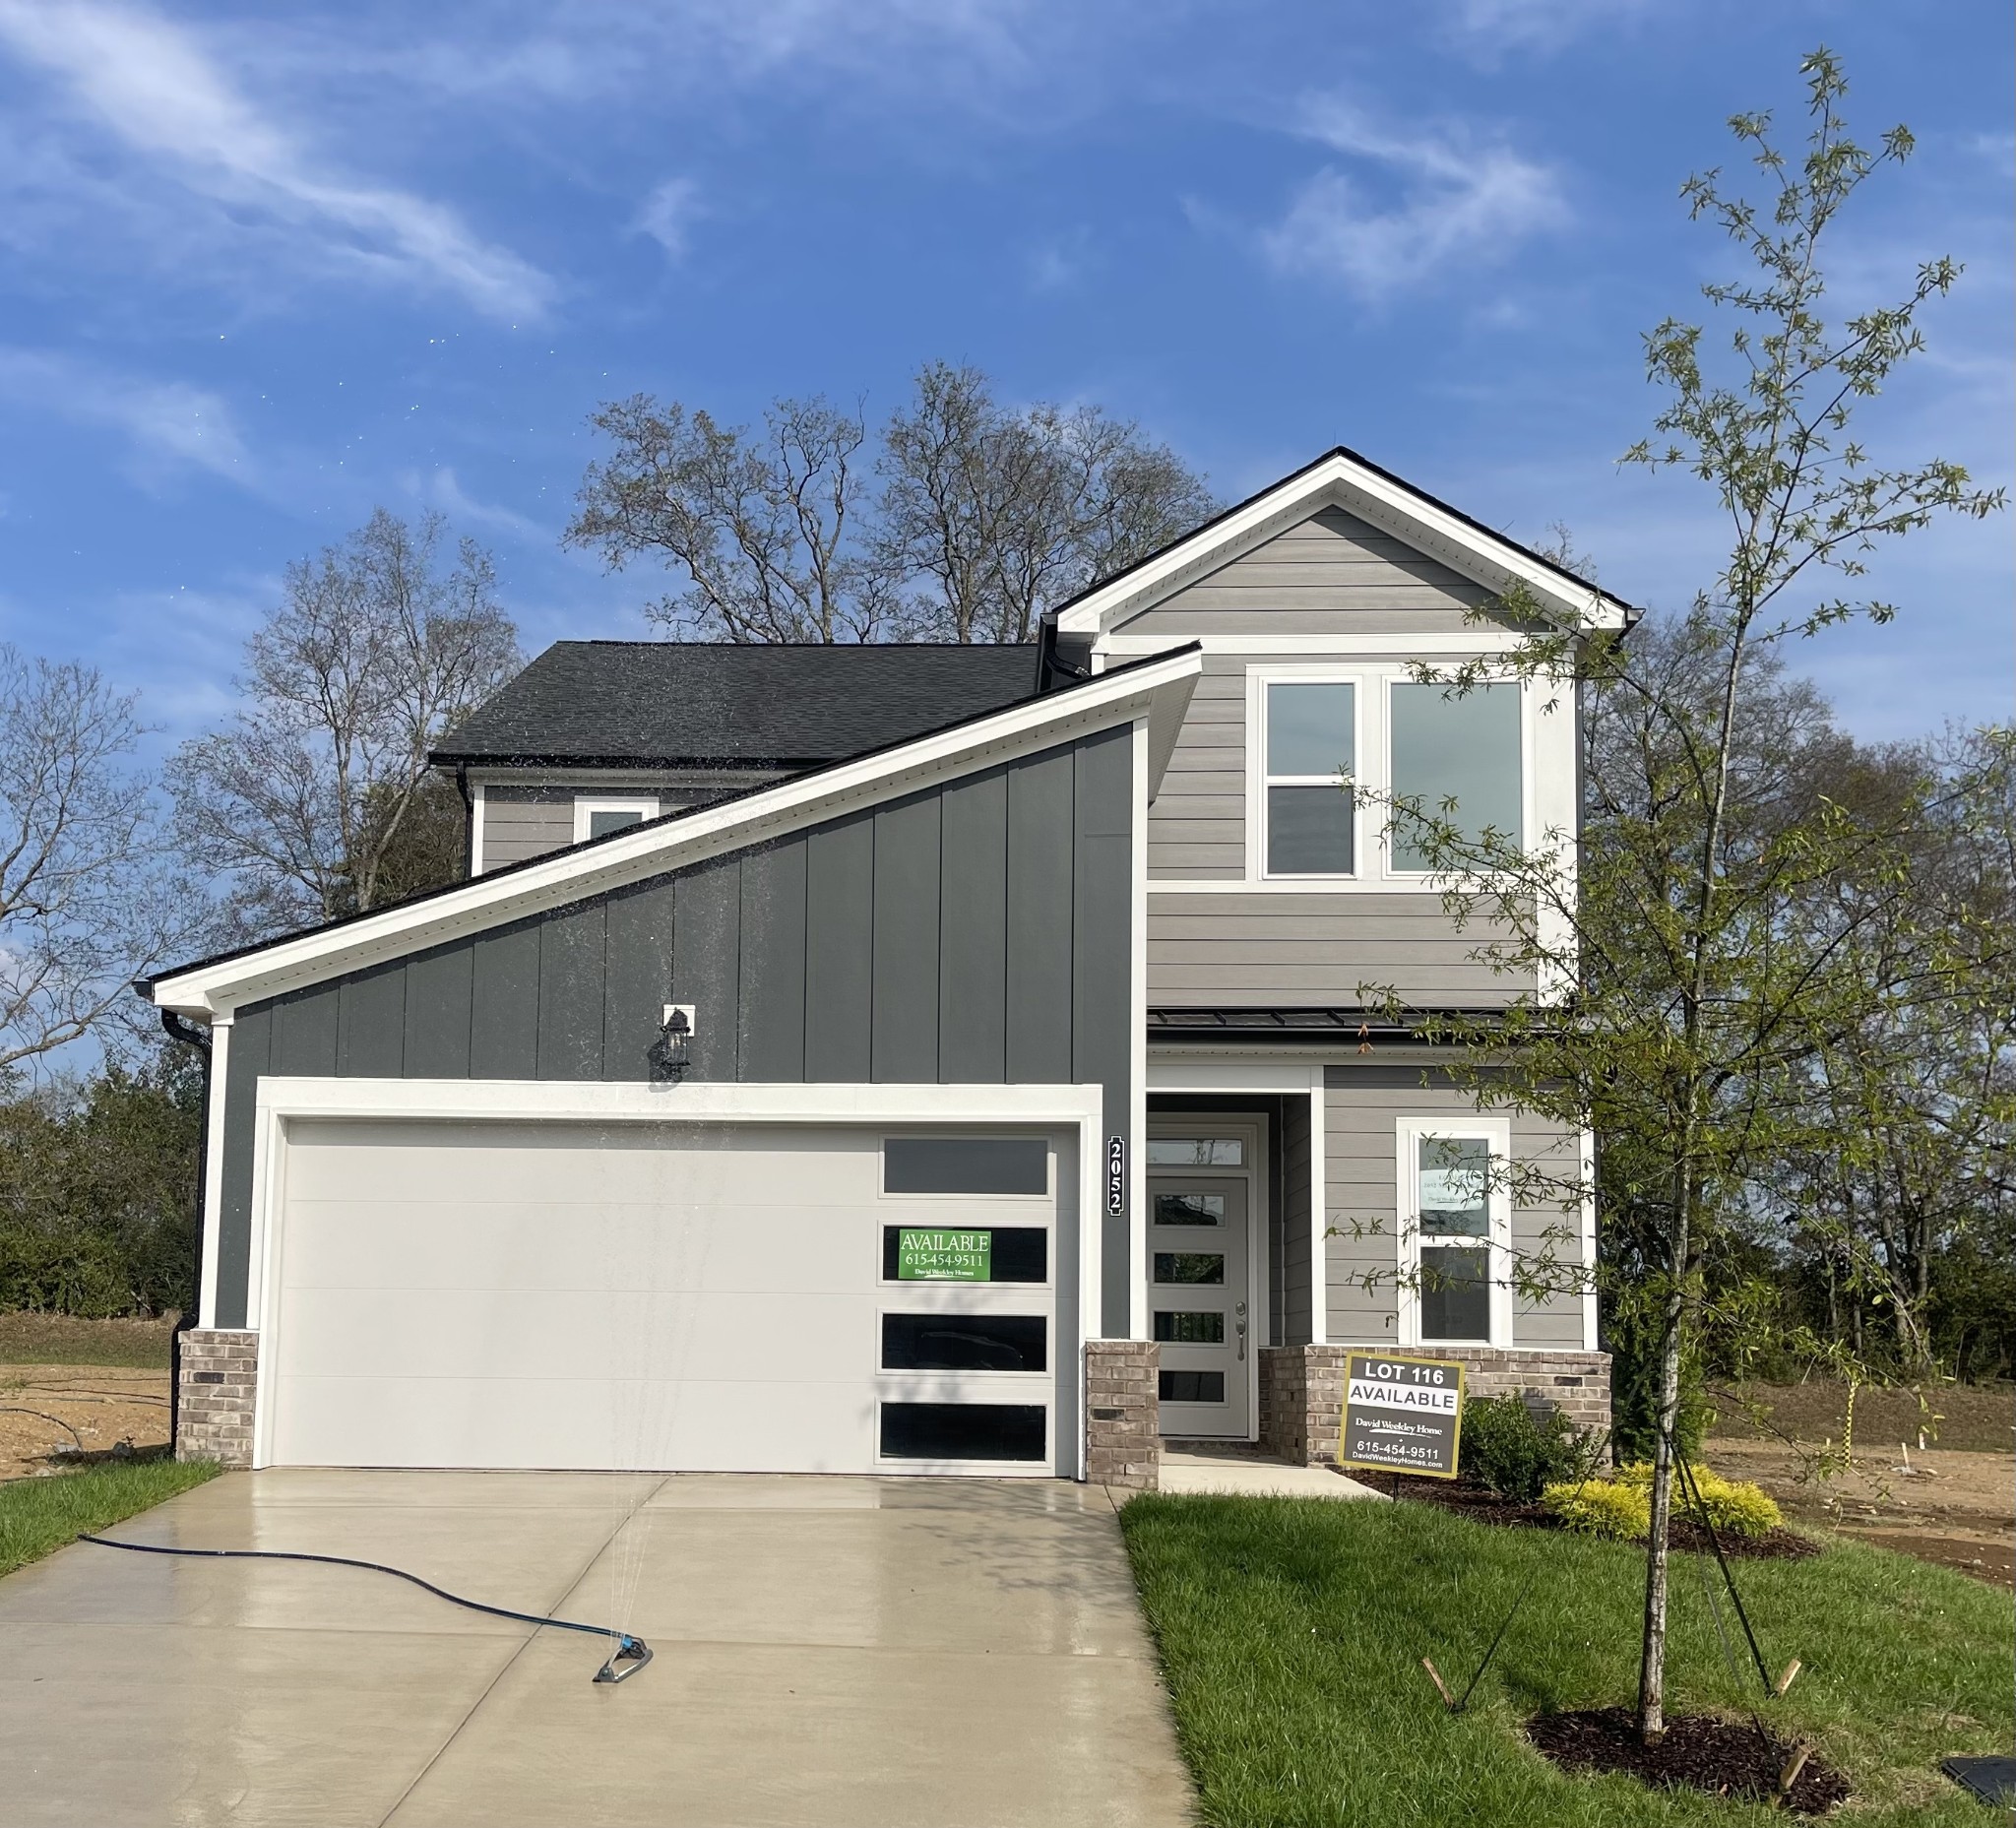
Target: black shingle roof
608	703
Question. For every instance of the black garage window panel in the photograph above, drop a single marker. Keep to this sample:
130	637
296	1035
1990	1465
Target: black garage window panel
965	1164
1190	1386
964	1343
1022	1253
962	1431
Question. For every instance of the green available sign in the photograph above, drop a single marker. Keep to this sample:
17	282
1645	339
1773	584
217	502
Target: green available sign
944	1256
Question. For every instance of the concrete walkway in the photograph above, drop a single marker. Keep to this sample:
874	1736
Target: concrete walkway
1226	1470
829	1651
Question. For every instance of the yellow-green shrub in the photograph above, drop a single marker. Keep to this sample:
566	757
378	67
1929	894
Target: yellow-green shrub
1735	1506
1601	1508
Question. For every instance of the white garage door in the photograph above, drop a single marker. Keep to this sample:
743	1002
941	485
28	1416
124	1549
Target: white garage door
668	1296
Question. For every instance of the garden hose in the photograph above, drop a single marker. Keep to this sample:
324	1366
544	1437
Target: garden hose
630	1654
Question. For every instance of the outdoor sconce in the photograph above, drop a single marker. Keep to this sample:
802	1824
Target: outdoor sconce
669	1056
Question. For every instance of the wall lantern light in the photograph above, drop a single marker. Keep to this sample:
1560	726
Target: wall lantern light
669	1056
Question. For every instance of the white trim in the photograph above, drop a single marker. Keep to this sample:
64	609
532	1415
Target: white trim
1320	1207
476	830
214	1171
587	805
1158	690
1077	1109
1386	504
1591	1328
1137	1049
1408	1133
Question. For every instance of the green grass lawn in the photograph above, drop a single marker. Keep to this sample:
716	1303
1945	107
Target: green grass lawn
37	1515
1291	1633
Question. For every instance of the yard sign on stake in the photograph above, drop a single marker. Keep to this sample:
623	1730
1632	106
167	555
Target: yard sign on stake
1401	1414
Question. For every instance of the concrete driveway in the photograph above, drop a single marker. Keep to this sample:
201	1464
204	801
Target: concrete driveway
829	1651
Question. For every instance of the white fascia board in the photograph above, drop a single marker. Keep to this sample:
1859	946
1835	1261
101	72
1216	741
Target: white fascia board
1159	691
1379	500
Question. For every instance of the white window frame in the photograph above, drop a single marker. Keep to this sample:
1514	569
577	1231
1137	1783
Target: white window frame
587	804
1259	780
1408	1134
1389	871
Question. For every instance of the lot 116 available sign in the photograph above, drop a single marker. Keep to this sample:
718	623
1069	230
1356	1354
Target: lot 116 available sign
1401	1414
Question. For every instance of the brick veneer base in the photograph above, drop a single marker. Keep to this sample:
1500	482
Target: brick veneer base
1123	1413
1302	1390
214	1419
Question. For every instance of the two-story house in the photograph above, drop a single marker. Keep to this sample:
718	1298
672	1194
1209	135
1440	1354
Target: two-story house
883	1059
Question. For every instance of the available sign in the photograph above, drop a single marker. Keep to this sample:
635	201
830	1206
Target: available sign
1401	1414
944	1256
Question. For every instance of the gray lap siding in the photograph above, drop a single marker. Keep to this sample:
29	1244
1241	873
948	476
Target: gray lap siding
1363	1104
974	934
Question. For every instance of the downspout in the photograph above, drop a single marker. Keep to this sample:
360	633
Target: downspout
177	1029
468	820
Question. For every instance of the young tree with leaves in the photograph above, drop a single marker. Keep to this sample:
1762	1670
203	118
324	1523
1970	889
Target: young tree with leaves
1685	987
305	800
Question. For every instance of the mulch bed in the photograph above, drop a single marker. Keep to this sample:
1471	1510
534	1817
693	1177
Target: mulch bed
1489	1507
1726	1758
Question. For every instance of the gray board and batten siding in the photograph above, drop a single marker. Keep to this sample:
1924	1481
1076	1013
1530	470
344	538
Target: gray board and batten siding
975	934
1364	1106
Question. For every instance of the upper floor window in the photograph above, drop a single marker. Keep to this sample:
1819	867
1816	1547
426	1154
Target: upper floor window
598	818
1457	757
1311	748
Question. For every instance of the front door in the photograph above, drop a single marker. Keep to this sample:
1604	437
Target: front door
1199	1302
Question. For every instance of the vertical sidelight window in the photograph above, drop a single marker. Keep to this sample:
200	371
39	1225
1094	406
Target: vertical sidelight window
1453	1230
1456	757
1311	749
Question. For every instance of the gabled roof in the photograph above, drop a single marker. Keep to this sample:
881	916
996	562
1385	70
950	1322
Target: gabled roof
1157	689
625	703
1342	478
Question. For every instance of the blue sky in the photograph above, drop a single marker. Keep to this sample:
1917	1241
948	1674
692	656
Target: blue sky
263	269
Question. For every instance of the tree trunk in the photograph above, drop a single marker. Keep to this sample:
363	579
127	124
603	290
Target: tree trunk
1652	1668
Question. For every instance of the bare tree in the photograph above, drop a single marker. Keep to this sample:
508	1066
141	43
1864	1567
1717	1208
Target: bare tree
763	524
1000	515
985	517
86	898
306	797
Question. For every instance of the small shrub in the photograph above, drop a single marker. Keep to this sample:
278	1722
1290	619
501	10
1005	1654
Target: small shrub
1733	1507
1516	1453
1603	1507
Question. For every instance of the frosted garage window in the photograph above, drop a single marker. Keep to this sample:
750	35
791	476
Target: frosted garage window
962	1431
965	1164
1311	750
1460	748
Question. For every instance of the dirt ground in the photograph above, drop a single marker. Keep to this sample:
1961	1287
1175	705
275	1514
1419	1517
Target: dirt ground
1952	1502
88	1410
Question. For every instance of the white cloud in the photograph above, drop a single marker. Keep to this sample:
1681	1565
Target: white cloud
668	214
1438	201
168	425
1535	24
151	85
441	488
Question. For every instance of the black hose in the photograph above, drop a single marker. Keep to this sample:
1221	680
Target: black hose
624	1641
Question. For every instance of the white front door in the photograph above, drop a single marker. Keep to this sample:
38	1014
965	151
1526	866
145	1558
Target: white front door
1200	1299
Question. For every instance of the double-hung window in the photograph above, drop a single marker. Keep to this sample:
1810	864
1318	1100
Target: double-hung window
1454	1236
1456	759
1311	742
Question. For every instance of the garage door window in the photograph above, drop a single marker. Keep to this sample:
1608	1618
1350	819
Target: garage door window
964	1343
964	1431
965	1164
1013	1253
